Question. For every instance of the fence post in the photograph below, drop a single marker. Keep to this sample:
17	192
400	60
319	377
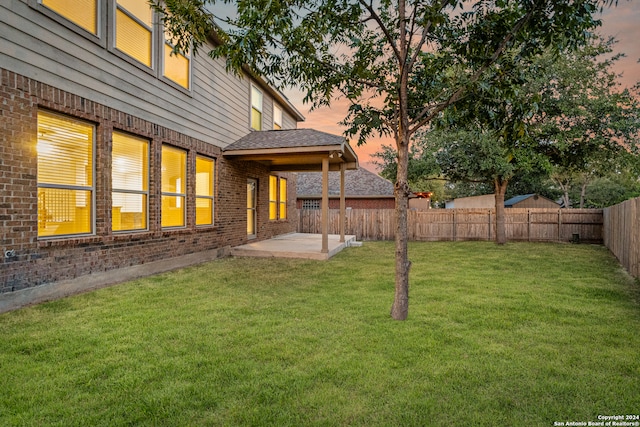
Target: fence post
559	222
454	226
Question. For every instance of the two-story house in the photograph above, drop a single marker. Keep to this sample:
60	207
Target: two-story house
116	152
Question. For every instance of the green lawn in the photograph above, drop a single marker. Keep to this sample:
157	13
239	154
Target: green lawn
520	335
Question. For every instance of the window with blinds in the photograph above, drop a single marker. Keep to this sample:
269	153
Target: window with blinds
256	108
176	66
273	197
129	182
277	198
283	198
173	187
83	13
134	30
277	117
65	151
204	190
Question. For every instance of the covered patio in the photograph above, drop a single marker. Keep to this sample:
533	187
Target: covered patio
300	150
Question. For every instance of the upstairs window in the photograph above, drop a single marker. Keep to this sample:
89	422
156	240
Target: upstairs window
134	30
256	108
173	177
130	182
204	190
83	13
65	151
176	66
277	117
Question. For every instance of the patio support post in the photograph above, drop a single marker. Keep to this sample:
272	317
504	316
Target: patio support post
343	209
325	205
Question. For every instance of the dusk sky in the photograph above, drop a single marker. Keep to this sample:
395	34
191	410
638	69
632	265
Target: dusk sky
622	22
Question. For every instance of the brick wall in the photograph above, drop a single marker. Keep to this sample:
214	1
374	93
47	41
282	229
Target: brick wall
37	261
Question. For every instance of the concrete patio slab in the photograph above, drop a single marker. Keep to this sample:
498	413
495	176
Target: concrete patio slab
294	245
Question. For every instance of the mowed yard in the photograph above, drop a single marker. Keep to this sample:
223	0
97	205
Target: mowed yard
519	335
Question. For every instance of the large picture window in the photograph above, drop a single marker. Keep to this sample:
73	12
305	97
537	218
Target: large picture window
256	108
83	13
174	166
204	190
134	30
65	150
130	182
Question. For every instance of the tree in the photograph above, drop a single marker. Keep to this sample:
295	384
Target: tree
422	170
400	63
475	154
588	122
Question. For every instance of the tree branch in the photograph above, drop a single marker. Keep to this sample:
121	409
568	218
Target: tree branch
382	27
422	118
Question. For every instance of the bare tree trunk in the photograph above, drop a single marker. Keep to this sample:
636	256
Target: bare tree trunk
583	193
400	307
500	189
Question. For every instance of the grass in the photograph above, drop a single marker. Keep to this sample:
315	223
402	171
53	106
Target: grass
525	334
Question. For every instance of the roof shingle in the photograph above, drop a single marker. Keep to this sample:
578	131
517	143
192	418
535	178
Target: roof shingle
359	182
285	139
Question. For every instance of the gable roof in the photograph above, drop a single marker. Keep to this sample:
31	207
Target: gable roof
293	149
357	183
517	199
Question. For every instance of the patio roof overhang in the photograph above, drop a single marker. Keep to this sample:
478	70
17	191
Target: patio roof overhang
300	150
295	150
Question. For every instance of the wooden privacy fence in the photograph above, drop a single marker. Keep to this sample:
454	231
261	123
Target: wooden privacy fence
535	225
622	234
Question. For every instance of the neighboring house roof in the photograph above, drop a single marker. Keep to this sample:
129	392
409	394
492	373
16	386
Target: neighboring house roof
293	150
518	199
357	183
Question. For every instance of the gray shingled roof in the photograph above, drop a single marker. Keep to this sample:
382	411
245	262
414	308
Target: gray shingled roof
517	199
358	183
285	139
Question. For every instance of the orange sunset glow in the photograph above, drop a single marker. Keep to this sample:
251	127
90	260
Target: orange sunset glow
621	21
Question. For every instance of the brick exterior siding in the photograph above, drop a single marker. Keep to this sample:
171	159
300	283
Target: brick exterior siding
39	261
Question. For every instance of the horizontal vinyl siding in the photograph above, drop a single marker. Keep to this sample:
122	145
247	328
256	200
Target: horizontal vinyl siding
38	47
